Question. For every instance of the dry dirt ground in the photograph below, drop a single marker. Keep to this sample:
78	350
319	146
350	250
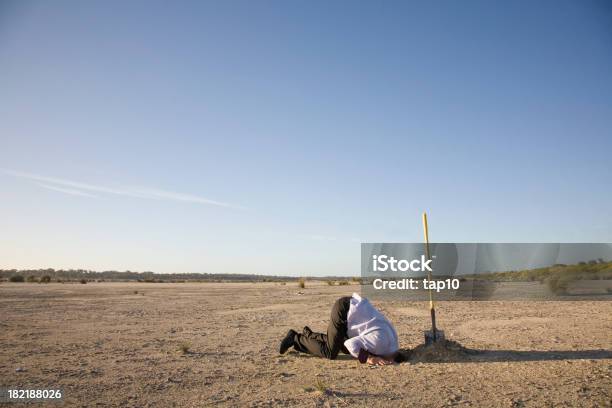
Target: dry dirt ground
118	344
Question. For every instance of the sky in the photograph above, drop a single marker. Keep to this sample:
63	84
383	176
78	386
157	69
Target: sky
274	137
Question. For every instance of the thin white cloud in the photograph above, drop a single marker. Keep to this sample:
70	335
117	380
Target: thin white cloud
169	195
67	191
75	187
70	183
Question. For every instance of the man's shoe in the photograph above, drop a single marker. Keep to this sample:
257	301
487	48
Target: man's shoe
306	331
363	356
287	342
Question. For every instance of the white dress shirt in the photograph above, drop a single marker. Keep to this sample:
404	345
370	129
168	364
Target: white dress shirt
369	329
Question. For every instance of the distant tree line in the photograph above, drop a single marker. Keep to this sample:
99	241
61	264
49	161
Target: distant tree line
50	274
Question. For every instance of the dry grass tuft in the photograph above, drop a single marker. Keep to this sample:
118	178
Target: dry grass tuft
321	387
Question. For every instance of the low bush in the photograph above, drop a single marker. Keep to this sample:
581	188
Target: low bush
557	285
16	278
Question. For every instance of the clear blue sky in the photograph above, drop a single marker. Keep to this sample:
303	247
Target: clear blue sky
273	137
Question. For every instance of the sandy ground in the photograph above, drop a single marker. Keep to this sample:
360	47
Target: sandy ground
117	344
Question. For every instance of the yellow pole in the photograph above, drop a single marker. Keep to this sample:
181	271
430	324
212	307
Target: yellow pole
432	308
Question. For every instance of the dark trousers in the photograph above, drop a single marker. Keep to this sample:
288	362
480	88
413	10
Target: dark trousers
330	344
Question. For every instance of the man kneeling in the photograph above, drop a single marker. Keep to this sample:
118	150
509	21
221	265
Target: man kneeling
355	328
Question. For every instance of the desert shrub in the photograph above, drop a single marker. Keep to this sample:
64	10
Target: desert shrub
83	281
16	278
330	283
283	283
301	283
31	279
45	279
557	285
343	283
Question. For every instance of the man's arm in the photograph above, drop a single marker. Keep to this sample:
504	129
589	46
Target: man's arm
358	349
354	346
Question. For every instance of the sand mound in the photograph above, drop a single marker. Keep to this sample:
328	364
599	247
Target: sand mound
444	351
